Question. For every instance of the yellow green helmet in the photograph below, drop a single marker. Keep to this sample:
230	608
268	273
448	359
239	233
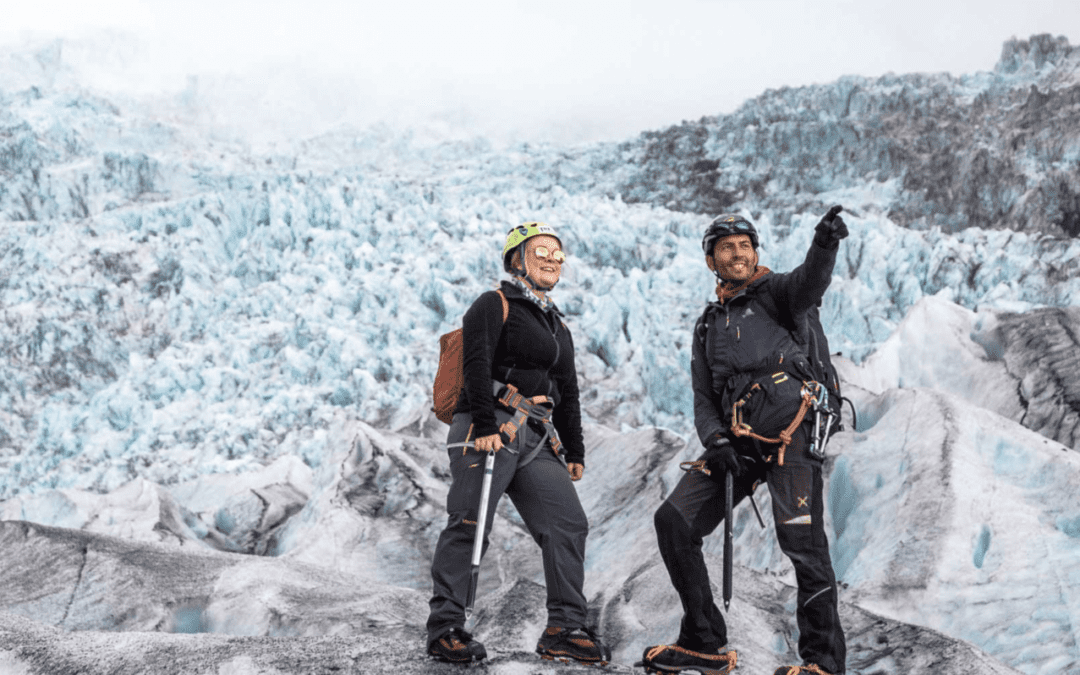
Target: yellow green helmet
518	235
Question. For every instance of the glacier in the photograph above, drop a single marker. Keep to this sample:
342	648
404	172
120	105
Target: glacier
218	358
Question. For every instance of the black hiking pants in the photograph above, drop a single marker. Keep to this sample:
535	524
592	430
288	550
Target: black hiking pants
547	501
695	508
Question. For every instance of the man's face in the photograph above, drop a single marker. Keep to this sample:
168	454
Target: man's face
733	257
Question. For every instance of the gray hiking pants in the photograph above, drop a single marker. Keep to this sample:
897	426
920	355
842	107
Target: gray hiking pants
544	496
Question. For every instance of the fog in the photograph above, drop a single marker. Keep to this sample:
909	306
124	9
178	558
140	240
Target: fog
513	71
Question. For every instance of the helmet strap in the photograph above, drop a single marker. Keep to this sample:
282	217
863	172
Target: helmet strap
714	269
532	282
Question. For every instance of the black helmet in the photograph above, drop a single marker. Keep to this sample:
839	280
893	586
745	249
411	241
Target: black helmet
726	225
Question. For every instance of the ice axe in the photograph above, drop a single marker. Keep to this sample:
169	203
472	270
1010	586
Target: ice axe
729	506
481	523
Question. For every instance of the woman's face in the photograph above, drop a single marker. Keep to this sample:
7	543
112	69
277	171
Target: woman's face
545	270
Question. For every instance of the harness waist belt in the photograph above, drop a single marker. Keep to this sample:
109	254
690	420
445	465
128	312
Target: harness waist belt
538	408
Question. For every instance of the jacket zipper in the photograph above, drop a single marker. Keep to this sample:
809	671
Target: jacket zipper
558	351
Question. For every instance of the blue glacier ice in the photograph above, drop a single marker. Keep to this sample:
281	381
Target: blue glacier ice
178	306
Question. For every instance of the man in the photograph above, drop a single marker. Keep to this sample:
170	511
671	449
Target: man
750	350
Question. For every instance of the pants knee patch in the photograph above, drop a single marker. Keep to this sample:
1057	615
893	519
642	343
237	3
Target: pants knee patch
793	495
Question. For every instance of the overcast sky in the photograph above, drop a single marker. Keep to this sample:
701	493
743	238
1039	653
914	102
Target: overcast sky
550	69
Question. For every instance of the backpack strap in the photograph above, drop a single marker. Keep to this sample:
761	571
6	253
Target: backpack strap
505	304
815	355
701	327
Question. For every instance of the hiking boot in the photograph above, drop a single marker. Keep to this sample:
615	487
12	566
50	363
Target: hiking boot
808	669
675	659
457	646
580	644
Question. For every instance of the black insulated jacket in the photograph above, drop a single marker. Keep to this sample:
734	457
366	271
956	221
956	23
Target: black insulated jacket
534	351
759	331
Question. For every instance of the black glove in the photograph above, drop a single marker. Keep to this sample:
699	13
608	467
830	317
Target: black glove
720	457
831	229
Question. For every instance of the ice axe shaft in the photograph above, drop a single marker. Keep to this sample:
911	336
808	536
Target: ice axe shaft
757	511
481	524
729	505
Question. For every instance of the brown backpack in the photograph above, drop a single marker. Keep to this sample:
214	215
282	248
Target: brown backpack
449	378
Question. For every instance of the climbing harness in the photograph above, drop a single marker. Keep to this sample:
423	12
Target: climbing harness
815	396
538	408
743	430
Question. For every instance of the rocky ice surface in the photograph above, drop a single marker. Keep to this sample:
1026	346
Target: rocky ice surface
953	528
347	585
216	454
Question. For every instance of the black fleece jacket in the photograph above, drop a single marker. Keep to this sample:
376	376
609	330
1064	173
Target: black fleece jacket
533	351
758	329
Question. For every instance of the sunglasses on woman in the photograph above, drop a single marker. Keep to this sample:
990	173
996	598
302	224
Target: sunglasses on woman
543	253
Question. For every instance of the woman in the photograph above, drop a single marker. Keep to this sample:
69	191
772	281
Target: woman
520	401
